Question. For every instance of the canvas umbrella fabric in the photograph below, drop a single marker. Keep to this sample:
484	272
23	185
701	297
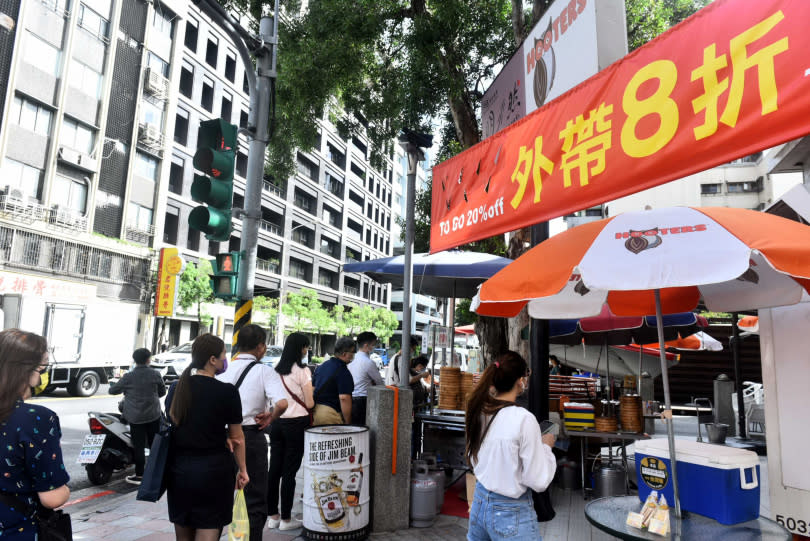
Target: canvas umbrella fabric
657	261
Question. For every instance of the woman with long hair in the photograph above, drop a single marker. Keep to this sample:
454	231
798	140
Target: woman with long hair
507	452
287	433
31	467
202	472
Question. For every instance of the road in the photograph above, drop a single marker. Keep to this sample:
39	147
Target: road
72	412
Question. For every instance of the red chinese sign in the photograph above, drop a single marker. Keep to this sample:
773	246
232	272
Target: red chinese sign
729	81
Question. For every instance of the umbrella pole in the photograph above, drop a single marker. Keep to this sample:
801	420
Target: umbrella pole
659	320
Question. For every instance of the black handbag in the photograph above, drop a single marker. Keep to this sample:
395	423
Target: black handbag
153	483
52	524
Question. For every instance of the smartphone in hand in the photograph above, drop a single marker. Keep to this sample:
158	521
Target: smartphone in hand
551	427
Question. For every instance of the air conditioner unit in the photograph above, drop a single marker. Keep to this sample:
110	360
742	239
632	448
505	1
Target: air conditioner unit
155	82
150	133
12	193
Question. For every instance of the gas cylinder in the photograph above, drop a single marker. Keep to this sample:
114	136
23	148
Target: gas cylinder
423	496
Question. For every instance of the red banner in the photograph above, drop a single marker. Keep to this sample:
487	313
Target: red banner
729	81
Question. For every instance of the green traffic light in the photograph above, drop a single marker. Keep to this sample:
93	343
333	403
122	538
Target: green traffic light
207	190
214	223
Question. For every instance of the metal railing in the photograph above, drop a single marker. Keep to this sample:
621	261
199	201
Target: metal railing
139	233
270	227
275	190
267	265
351	290
40	252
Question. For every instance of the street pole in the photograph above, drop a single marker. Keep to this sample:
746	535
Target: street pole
411	142
260	84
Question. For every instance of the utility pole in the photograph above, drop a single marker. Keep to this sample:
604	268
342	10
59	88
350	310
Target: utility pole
261	84
412	143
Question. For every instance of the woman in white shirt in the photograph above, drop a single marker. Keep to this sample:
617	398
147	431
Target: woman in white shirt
508	454
287	432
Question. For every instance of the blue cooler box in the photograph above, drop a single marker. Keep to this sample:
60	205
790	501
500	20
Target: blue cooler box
715	481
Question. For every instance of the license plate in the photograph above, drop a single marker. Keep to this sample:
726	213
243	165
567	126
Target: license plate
91	448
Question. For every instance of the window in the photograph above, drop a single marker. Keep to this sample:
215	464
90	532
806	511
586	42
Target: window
22	176
41	54
243	119
139	217
93	23
226	107
170	224
163	21
193	240
230	67
212	51
146	166
241	164
245	84
298	269
84	78
77	136
58	6
187	79
152	113
192	33
744	187
70	192
181	127
31	116
207	99
157	64
176	177
710	189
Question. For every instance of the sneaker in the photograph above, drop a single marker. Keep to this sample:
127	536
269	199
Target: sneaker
291	524
134	479
272	523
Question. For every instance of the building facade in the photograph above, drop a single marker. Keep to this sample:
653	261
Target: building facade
101	104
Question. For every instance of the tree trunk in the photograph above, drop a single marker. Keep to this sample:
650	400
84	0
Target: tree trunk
491	333
518	244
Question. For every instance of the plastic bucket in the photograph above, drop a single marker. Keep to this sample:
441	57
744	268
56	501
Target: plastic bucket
336	483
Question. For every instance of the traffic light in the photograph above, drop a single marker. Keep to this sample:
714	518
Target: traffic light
215	156
226	271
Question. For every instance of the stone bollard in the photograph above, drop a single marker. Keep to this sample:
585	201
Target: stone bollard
390	493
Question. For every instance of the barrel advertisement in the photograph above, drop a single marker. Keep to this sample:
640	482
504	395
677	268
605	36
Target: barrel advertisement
336	484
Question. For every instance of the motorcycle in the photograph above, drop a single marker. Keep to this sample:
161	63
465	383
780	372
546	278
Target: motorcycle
113	452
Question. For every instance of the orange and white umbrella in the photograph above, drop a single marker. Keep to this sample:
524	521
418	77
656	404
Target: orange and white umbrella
655	262
734	259
749	324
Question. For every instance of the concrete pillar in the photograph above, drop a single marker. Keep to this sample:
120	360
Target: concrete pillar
724	412
390	494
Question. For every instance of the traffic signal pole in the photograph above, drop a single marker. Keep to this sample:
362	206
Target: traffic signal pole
264	50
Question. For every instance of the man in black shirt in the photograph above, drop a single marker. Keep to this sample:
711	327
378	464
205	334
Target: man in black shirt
333	385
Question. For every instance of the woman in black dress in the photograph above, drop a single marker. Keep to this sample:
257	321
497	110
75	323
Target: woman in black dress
31	467
202	472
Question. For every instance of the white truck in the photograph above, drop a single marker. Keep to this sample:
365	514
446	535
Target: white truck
90	338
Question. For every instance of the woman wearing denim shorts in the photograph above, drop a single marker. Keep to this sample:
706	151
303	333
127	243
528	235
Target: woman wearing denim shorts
508	454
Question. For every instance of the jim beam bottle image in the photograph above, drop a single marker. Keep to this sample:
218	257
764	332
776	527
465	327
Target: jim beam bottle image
354	484
330	501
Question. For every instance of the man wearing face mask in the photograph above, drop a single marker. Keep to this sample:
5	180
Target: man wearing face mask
365	374
259	389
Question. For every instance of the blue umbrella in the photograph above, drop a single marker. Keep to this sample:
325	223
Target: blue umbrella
450	274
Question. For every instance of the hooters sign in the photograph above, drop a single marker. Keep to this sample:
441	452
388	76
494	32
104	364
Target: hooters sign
731	80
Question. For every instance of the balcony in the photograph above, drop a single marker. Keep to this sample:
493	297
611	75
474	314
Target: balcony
304	203
355	291
278	191
325	281
333	186
268	265
270	227
140	233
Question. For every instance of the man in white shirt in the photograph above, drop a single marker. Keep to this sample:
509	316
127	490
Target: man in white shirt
365	373
260	389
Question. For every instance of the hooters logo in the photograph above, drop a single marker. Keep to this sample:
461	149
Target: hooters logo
639	240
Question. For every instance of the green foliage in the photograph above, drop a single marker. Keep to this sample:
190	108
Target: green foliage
265	312
195	288
300	307
359	319
339	319
385	322
464	316
646	19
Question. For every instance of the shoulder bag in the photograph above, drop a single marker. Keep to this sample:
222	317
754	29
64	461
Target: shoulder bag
298	400
153	484
52	524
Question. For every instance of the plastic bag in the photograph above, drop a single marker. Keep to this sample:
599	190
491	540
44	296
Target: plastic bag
239	530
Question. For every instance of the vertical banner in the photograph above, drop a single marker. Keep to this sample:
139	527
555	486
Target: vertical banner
729	81
169	267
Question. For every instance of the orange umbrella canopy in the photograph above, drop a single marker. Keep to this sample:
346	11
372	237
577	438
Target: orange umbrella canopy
734	259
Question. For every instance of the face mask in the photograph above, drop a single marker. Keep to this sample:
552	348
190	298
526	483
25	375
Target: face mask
305	359
522	387
44	379
224	367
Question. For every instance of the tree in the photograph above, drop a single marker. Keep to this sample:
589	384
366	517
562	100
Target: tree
300	307
359	319
322	323
339	319
384	324
464	316
265	312
195	289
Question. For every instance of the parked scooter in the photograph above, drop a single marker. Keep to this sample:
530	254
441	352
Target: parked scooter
116	451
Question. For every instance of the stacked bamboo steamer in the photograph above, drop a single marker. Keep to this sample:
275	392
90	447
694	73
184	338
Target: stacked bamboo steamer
450	387
466	388
630	413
